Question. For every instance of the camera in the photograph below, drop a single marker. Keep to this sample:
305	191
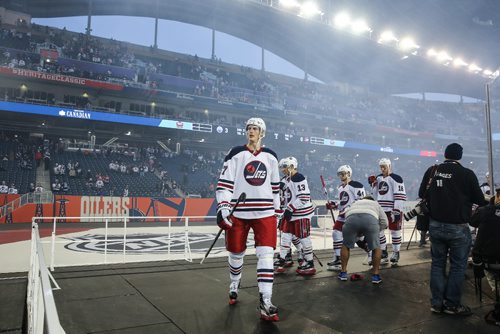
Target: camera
420	208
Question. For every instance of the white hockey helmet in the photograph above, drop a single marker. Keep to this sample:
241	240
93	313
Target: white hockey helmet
259	122
384	162
281	164
345	169
288	162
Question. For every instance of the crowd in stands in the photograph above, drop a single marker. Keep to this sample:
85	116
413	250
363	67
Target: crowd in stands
322	109
223	81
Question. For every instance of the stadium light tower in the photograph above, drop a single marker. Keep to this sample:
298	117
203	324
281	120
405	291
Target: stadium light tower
342	20
360	26
289	3
387	37
309	9
408	44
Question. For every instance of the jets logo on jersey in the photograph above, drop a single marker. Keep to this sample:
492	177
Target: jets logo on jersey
344	198
383	188
255	173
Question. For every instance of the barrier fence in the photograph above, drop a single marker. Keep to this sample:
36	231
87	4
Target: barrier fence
116	239
41	308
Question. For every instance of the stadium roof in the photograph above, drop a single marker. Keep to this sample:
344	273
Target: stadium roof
466	27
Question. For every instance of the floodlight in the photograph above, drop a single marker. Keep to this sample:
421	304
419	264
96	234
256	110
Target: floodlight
387	37
459	62
289	3
407	44
309	9
443	57
431	53
487	72
474	68
359	26
342	20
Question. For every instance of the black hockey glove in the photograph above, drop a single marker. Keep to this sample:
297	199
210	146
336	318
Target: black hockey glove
288	215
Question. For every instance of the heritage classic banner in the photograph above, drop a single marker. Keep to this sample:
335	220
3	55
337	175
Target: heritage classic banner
95	208
59	78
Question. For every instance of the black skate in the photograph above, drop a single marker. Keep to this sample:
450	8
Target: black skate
288	259
335	264
306	269
394	259
385	257
268	311
233	292
279	265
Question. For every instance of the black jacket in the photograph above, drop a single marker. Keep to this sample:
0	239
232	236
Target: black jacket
452	192
487	245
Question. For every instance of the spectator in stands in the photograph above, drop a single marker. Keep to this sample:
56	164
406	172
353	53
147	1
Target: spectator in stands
88	176
125	191
39	188
12	189
65	187
46	159
38	158
56	186
4	189
31	188
99	184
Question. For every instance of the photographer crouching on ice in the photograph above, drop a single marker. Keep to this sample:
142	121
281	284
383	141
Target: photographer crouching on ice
452	190
486	251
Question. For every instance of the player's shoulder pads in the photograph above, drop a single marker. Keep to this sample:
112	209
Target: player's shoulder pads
298	177
235	150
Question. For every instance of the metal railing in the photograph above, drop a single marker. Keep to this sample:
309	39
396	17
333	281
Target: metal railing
45	197
41	307
178	232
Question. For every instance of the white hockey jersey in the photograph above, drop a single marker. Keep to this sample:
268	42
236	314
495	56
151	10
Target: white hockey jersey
298	197
255	174
348	194
390	192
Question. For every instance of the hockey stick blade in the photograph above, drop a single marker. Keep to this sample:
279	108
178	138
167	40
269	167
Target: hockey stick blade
241	199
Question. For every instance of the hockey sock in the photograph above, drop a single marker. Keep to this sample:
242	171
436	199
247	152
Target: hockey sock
383	241
235	266
286	241
396	240
298	245
307	248
265	270
337	241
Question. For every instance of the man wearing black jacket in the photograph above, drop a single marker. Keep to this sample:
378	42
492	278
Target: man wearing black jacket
486	251
453	191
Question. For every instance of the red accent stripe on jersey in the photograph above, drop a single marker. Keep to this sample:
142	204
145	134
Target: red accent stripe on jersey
252	204
225	185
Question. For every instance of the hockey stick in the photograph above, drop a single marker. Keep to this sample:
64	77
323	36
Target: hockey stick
326	195
242	198
317	259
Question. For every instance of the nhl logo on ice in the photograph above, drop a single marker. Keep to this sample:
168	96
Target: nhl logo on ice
383	188
255	173
344	198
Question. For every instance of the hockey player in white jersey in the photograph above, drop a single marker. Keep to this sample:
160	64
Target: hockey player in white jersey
298	212
252	169
284	259
348	192
390	191
297	217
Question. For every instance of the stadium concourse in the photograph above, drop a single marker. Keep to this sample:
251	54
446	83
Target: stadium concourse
151	295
